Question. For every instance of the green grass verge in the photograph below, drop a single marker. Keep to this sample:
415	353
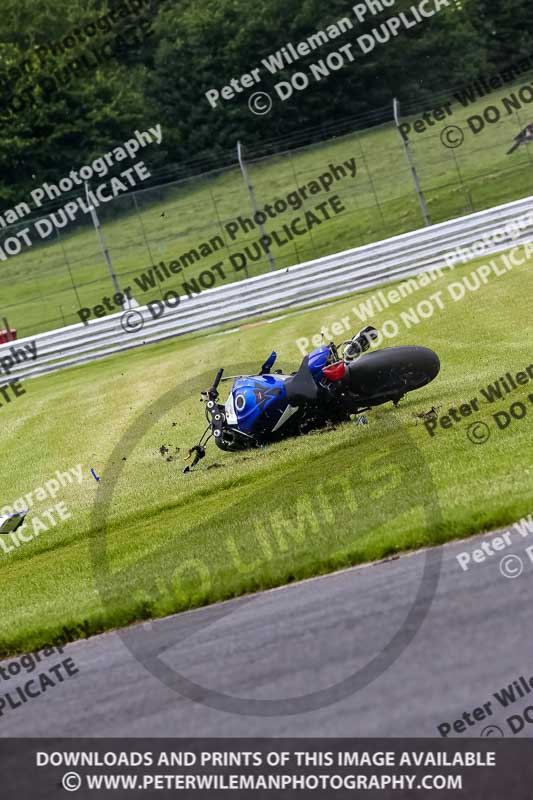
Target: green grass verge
258	519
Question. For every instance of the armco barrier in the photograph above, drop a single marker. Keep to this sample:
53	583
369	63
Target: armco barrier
325	278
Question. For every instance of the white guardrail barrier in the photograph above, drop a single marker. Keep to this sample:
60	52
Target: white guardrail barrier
325	278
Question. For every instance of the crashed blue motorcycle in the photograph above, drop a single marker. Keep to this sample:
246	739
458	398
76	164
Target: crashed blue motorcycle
333	383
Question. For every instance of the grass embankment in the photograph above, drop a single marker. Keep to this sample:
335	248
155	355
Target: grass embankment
265	517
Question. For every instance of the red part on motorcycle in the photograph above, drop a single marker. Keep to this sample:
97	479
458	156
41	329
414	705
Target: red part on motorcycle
335	372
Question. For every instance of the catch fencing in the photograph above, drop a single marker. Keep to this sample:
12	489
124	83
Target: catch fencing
462	162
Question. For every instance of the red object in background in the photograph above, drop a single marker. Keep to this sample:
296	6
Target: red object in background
6	337
335	372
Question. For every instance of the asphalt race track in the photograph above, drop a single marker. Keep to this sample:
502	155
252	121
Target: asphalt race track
300	640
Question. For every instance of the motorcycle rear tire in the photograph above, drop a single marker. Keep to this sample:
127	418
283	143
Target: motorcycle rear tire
389	374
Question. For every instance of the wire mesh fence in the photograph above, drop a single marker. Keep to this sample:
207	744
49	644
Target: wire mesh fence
317	199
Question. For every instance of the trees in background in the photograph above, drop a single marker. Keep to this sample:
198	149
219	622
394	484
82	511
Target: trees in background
63	105
76	113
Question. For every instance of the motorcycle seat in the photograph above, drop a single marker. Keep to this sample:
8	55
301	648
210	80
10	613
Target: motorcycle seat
301	387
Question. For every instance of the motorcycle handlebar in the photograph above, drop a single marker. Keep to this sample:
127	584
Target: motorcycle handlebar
217	380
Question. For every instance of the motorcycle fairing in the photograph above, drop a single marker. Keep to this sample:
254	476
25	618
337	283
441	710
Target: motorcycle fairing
229	408
317	360
258	402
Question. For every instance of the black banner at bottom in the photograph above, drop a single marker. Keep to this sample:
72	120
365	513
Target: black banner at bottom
488	769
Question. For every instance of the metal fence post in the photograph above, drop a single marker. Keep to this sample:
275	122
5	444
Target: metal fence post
96	222
250	188
67	263
407	150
